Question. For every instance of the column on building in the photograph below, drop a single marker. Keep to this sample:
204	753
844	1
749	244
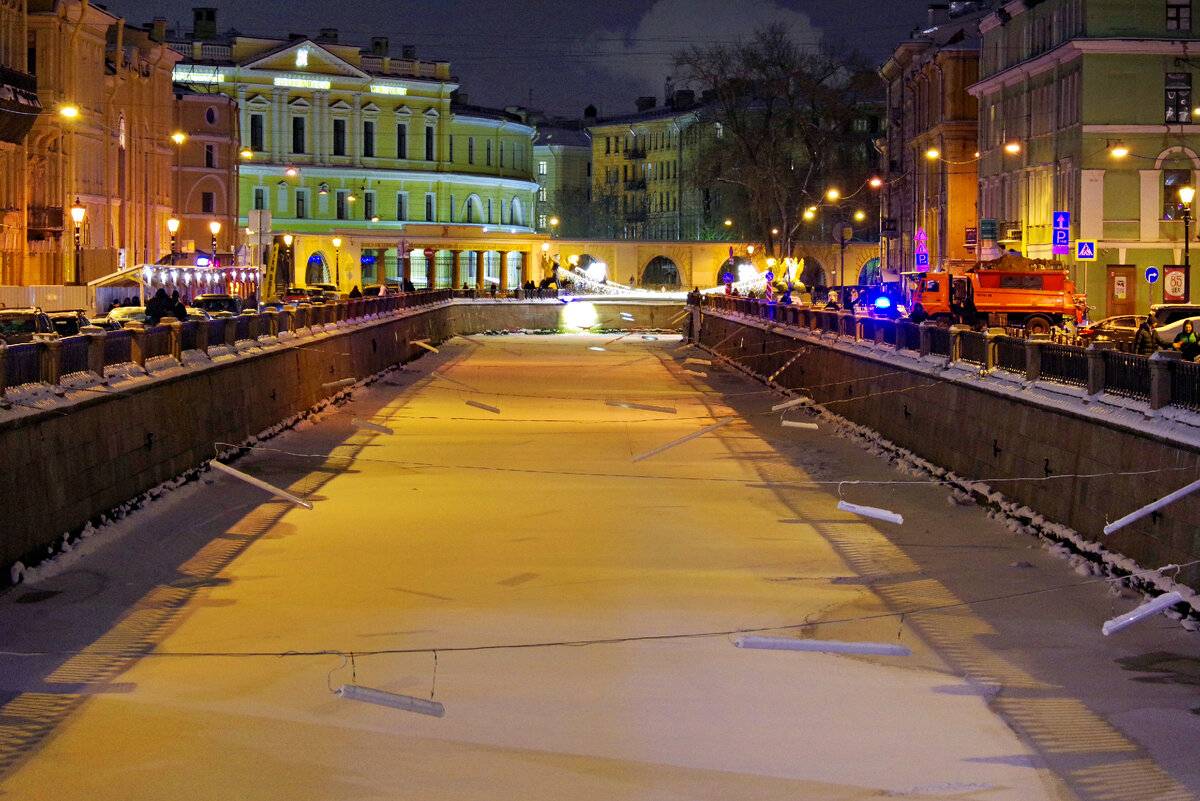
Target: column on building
281	126
317	136
431	271
480	270
503	287
455	269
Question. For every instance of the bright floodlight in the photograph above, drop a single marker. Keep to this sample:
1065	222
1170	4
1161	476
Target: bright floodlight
597	271
1013	147
747	272
932	153
1186	193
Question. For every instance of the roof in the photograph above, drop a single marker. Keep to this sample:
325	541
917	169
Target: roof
561	137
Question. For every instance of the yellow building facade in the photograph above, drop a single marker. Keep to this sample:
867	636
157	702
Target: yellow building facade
352	144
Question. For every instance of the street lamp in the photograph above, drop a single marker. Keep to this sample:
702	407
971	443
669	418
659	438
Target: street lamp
337	261
173	227
1186	193
215	227
287	241
77	214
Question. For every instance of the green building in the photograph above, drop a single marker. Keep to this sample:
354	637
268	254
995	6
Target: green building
1086	107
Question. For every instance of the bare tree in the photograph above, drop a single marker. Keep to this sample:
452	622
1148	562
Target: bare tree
778	127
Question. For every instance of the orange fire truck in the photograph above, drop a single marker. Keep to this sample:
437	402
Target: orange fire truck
1008	291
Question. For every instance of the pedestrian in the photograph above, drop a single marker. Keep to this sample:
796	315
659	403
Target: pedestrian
157	306
831	303
918	314
177	308
408	286
1145	341
1186	343
356	292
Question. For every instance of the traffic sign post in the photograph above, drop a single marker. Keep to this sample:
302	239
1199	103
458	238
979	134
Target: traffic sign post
921	248
1061	230
1085	250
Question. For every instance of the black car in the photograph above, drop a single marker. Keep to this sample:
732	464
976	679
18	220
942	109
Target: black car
1119	330
68	322
217	303
20	325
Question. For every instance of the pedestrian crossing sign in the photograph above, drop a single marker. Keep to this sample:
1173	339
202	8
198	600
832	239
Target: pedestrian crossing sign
1085	250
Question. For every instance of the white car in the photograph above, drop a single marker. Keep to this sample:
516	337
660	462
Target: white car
1171	317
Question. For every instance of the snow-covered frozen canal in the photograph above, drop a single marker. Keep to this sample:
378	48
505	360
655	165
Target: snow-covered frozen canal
505	553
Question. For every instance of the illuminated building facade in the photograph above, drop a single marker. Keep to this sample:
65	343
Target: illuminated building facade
356	144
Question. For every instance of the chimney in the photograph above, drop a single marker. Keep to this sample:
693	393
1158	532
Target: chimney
939	13
646	103
158	29
379	46
328	35
682	98
204	23
408	51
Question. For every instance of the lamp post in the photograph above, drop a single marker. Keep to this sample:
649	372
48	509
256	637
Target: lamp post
173	227
337	261
77	214
215	227
287	242
1186	193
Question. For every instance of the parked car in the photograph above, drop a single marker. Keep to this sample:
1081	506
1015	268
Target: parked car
372	290
295	294
328	292
1170	318
217	303
117	317
20	325
1119	330
68	322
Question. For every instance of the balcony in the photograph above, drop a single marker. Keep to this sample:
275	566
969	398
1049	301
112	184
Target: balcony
635	153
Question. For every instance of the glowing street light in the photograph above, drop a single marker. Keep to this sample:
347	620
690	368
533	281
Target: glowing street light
1186	193
68	111
833	194
173	227
1119	149
337	261
179	137
77	214
215	227
1013	147
932	153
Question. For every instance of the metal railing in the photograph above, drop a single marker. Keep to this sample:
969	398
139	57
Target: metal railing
46	361
1161	380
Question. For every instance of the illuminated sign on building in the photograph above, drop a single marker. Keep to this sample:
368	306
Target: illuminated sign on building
302	58
190	74
388	89
302	83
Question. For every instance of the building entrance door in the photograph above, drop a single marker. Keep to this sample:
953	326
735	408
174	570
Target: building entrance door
1121	289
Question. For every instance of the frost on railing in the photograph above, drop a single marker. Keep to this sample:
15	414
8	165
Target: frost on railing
1185	385
972	347
118	347
1010	354
73	354
1126	374
1065	363
23	363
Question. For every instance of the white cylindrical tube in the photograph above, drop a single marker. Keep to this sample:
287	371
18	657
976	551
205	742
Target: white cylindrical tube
823	646
224	468
796	424
1145	610
406	702
1152	507
870	511
789	404
345	382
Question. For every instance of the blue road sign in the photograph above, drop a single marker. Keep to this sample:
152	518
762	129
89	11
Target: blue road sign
1151	275
1062	236
1062	219
922	259
1085	250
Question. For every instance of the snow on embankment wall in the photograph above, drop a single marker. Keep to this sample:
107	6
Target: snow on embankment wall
1074	459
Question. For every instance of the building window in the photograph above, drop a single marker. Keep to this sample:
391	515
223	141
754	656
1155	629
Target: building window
402	140
210	155
489	217
210	115
260	198
489	153
1179	97
1179	15
1172	181
542	221
257	138
298	135
542	193
341	205
402	206
339	137
301	204
450	148
368	150
208	203
429	208
471	150
501	154
369	204
429	143
541	168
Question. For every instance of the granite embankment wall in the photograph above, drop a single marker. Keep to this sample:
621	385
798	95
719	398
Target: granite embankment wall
97	449
999	429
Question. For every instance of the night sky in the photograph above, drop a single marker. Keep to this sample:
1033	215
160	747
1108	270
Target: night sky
553	55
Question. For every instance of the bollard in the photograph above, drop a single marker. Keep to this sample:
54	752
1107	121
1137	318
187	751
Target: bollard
1033	359
956	341
990	347
176	339
1095	365
137	347
96	352
49	361
202	335
926	343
